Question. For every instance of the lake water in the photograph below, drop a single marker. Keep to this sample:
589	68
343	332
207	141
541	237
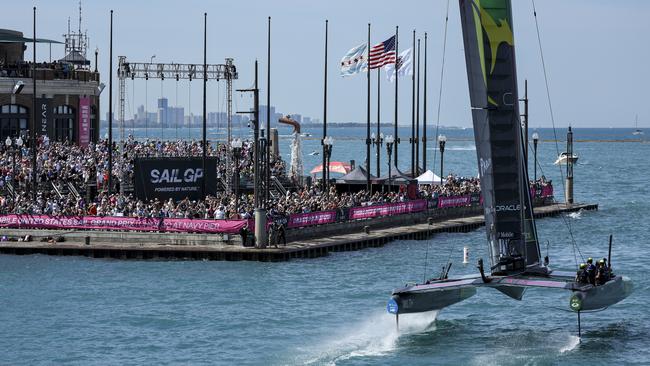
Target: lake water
331	310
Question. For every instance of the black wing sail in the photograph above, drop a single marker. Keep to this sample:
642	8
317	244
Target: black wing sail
491	71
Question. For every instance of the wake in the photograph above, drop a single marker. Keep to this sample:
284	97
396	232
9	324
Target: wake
375	336
576	215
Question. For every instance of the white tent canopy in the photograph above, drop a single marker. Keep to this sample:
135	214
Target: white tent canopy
428	177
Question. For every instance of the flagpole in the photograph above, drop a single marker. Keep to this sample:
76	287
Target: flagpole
368	188
378	122
413	114
110	110
32	131
396	81
267	167
205	85
424	117
417	120
325	116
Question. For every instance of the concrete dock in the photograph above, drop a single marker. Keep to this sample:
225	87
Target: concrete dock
122	248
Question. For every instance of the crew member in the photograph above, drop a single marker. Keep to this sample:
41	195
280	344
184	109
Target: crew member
602	273
591	270
582	276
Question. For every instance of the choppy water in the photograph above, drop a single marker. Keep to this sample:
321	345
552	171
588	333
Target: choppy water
75	310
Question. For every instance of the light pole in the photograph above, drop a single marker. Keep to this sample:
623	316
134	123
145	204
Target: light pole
236	145
442	140
378	141
328	142
14	148
8	142
535	139
390	140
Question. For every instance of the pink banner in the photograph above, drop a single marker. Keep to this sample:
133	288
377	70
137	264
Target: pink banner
387	209
122	223
311	218
454	201
84	122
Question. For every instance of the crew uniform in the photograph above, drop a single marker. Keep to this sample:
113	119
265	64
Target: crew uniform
591	271
602	273
582	276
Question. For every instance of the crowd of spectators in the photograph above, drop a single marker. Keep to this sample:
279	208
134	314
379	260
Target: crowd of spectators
23	69
61	163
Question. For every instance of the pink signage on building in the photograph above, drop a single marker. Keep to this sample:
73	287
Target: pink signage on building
83	132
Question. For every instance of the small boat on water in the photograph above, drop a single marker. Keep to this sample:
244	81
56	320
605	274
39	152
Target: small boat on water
637	130
564	157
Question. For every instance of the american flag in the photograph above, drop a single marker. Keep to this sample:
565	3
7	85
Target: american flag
382	53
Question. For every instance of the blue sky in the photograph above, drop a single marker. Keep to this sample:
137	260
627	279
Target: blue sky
596	53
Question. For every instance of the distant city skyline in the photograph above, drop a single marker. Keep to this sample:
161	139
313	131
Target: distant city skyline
172	116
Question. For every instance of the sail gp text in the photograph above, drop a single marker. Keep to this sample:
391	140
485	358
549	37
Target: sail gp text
190	175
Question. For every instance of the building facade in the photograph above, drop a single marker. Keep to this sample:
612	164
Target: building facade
67	96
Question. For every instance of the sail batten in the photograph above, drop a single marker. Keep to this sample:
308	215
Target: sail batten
491	70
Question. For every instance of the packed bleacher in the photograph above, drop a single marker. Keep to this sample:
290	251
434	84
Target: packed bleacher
61	164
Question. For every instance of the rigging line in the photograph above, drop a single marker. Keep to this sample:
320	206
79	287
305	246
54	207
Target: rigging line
133	102
190	117
442	71
550	106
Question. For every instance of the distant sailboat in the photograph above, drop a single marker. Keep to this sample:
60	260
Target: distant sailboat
564	158
515	260
637	130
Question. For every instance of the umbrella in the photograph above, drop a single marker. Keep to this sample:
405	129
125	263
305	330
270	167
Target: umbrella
334	167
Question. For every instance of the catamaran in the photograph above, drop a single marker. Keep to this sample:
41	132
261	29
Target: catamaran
515	260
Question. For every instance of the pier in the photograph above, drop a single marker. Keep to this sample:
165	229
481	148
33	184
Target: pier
161	246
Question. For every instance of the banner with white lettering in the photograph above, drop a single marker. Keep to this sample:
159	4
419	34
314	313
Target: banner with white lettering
175	178
44	124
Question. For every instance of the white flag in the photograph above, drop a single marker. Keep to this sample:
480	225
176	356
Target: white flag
355	61
405	62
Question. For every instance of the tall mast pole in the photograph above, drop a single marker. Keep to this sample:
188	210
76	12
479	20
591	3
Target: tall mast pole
368	121
397	65
205	85
110	111
324	171
256	137
267	168
378	122
417	120
424	117
413	114
33	129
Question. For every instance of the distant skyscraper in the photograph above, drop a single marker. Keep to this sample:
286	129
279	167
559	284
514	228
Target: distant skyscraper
163	112
175	116
140	114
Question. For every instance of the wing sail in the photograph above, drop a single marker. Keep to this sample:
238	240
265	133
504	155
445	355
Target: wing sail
491	71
